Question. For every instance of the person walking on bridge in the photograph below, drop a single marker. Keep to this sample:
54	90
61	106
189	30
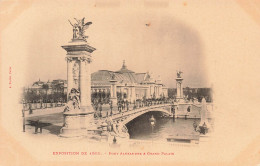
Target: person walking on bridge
100	109
127	105
111	107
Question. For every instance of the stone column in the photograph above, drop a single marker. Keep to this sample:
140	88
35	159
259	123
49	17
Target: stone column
78	121
69	75
83	82
88	85
113	96
133	94
155	90
152	90
160	91
148	92
179	88
128	93
204	114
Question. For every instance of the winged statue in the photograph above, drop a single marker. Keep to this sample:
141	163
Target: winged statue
79	28
179	74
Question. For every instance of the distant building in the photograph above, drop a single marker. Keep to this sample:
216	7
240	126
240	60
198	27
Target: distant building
129	85
40	87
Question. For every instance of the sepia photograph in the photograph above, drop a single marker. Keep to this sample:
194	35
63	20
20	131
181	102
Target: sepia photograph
129	82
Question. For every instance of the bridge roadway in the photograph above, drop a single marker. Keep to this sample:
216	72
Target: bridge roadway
127	116
180	111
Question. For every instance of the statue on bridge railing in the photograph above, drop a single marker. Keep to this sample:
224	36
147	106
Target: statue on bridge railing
73	100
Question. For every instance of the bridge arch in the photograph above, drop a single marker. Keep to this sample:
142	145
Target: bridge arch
140	113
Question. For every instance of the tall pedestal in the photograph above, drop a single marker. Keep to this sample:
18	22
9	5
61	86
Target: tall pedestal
204	114
77	121
179	87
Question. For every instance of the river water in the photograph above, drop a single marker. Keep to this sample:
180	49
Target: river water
141	128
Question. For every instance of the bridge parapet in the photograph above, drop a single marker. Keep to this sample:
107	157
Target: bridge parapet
132	114
192	110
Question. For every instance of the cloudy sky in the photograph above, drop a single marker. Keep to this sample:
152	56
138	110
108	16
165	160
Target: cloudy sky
181	35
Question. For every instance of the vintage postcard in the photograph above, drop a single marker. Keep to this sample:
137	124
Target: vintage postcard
150	82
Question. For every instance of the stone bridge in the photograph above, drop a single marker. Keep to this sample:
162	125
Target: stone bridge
181	111
115	125
192	110
127	116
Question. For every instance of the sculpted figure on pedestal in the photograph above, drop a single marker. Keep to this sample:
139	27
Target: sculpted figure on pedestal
79	29
179	74
73	100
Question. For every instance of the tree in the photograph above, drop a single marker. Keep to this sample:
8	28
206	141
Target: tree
46	88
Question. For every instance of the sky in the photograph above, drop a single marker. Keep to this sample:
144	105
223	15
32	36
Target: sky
178	37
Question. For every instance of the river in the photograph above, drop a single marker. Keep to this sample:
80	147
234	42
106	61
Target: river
141	128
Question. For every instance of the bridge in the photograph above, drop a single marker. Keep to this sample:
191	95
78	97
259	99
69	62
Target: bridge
118	120
127	116
115	125
188	110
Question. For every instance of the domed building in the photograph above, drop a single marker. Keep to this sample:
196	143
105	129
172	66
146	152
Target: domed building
128	85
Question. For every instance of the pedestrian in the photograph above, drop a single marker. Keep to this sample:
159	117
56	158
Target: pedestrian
188	109
118	105
23	112
127	105
124	102
96	105
111	108
100	109
30	108
95	114
41	102
195	125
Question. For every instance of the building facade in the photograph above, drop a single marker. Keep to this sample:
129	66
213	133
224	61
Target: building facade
129	85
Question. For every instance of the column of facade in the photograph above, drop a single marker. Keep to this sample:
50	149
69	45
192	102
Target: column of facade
122	92
133	94
160	90
152	90
69	75
155	90
112	91
113	95
128	94
148	92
